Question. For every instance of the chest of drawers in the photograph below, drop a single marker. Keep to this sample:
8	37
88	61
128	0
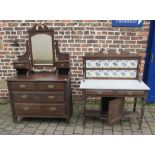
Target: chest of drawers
40	95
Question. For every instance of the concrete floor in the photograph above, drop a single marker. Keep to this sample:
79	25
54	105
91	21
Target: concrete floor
46	126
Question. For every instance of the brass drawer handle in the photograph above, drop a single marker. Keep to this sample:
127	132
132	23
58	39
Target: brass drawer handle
99	92
26	109
53	109
51	97
22	86
24	96
19	65
62	65
50	86
129	93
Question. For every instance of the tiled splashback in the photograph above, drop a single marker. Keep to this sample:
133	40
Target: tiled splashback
111	63
112	73
111	68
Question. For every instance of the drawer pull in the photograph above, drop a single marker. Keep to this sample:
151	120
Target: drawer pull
22	86
24	96
129	93
19	65
50	86
52	109
99	92
26	109
51	97
62	65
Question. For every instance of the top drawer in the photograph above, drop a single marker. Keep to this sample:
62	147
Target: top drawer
23	86
37	86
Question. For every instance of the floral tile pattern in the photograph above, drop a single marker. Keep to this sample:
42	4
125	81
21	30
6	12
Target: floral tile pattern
112	73
111	63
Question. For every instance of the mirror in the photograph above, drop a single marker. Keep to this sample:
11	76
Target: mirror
42	50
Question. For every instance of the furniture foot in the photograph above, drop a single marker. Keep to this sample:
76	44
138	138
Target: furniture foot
84	108
142	115
84	121
14	119
135	103
67	120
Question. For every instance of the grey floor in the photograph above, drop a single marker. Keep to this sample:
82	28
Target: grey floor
40	126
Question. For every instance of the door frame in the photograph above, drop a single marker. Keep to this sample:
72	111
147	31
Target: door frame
149	49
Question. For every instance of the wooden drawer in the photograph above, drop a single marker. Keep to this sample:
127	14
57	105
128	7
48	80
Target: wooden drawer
22	65
38	97
130	93
52	98
114	93
39	109
27	96
99	93
23	86
62	65
50	86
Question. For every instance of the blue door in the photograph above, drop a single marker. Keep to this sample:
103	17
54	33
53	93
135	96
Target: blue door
149	69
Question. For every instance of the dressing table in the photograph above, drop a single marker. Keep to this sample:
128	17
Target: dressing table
42	86
112	77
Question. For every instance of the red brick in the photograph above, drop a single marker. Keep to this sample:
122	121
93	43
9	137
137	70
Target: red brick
75	37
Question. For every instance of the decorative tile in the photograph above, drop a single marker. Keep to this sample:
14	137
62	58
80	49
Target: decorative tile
111	63
111	73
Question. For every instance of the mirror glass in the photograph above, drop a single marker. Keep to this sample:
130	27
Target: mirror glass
42	49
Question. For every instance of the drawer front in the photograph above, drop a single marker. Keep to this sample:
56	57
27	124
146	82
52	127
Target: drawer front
114	93
22	65
39	109
17	97
62	65
50	86
52	98
23	86
130	93
38	97
99	93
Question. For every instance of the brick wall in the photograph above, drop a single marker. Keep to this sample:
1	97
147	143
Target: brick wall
75	37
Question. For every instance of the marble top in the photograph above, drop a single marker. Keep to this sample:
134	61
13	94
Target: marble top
113	84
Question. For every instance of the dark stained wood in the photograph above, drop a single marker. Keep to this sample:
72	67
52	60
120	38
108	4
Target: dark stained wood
43	94
62	57
50	97
40	77
60	60
39	93
51	86
114	55
26	55
115	93
22	86
40	109
116	109
111	56
23	62
115	106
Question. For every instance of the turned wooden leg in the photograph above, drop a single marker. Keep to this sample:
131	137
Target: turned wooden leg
135	103
84	108
14	119
142	114
68	120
